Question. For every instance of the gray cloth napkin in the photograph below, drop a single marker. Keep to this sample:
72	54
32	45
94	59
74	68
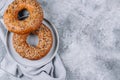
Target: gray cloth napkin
54	70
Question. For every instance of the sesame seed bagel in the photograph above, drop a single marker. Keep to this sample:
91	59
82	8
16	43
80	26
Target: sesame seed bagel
31	23
34	52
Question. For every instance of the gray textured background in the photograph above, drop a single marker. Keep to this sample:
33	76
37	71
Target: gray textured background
89	33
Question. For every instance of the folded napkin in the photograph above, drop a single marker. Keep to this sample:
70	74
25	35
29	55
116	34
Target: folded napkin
54	70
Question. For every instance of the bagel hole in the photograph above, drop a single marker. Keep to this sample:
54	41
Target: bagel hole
32	40
23	14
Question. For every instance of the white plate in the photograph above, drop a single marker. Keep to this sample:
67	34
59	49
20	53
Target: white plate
34	63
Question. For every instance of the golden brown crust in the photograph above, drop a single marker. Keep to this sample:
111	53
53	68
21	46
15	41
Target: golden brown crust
34	52
28	25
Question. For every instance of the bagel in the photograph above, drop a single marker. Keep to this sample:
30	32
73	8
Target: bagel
34	52
29	24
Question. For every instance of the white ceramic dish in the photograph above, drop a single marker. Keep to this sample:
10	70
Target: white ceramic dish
34	63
